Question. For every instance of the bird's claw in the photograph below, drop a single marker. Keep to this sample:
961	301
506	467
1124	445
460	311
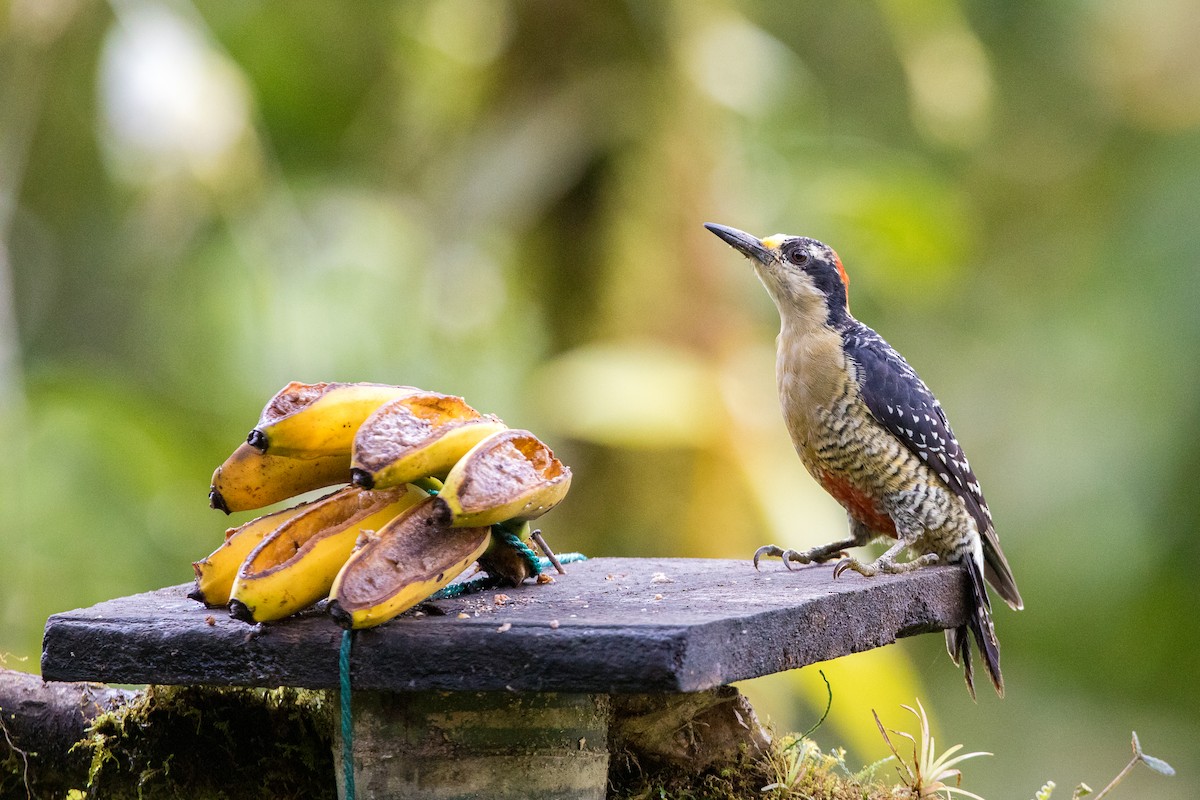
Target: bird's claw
882	565
766	550
788	556
866	570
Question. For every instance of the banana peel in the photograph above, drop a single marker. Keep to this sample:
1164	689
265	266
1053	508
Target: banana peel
250	479
215	572
418	436
383	544
310	420
509	476
296	564
402	564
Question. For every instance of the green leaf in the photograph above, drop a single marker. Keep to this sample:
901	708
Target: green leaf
1158	765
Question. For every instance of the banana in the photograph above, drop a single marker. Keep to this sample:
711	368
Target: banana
296	564
250	479
401	564
424	434
309	420
215	574
509	476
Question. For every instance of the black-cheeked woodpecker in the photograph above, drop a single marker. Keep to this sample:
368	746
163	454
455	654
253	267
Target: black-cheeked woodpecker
872	434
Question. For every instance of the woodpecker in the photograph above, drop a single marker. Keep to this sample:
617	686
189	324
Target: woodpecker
872	434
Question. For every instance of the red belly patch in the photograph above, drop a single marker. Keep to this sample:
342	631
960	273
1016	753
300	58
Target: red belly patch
858	503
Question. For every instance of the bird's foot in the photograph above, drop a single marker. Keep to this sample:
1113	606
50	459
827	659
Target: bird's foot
884	565
789	556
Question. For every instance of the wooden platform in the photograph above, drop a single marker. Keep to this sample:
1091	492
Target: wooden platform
610	625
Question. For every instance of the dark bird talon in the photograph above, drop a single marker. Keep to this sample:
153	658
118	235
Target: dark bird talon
841	567
766	550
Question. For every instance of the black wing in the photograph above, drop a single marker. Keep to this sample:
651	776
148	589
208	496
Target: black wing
903	404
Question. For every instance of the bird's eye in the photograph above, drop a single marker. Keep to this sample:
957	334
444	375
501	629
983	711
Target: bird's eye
799	257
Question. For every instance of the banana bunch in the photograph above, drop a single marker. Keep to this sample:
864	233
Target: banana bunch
432	484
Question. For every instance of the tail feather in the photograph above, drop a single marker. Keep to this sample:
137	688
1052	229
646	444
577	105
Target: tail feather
958	644
980	625
999	573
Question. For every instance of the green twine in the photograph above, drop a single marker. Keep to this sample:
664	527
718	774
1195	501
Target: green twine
466	587
536	565
347	724
511	539
563	558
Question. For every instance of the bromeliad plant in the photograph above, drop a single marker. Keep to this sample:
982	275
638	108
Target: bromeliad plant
928	772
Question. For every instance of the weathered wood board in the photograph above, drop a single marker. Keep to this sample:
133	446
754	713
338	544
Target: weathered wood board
610	625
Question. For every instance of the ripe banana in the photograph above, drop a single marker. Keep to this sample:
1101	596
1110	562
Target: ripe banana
401	564
424	434
215	574
296	564
308	420
251	479
510	475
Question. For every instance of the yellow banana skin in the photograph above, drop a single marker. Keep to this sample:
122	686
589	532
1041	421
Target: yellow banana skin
215	574
424	434
296	564
509	476
398	566
250	479
309	420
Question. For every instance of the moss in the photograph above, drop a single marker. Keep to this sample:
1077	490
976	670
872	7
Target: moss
203	743
12	772
252	744
791	769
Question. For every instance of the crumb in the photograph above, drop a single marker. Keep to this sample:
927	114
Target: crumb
543	578
661	577
658	597
500	599
506	626
463	615
554	624
210	620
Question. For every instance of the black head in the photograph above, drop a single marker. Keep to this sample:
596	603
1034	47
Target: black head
796	270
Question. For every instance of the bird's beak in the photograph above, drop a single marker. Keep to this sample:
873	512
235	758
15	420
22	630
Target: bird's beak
741	241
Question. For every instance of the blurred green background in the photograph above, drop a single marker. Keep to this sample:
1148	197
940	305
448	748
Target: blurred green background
202	201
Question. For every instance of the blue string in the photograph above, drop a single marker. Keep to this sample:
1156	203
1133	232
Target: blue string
347	724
